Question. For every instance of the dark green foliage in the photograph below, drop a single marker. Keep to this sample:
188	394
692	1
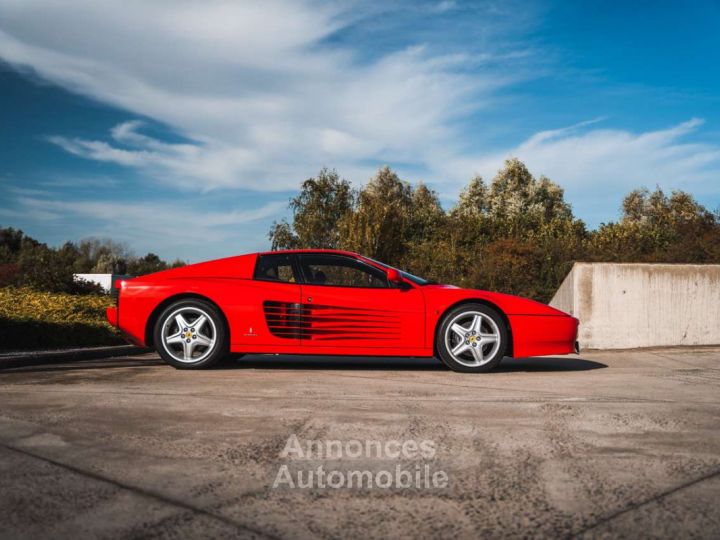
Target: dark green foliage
25	262
23	335
658	228
317	211
516	234
145	265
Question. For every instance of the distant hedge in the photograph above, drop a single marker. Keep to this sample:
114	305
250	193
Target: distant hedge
38	320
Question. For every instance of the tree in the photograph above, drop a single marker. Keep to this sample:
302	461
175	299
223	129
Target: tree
424	234
481	241
26	262
377	227
41	268
519	202
658	228
473	200
510	265
281	236
426	215
92	250
108	263
10	243
317	210
657	210
146	265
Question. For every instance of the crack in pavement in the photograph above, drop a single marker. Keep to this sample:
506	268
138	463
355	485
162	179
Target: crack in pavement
640	504
666	357
143	492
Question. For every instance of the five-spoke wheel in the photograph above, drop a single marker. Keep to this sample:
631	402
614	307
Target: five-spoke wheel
190	334
472	338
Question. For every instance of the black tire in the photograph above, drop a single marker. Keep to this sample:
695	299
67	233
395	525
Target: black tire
494	353
216	332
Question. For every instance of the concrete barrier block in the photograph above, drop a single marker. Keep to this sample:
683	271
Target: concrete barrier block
623	306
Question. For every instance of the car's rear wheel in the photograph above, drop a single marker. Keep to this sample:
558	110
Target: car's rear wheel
191	334
472	338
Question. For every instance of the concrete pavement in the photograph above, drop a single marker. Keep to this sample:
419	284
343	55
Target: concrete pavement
615	443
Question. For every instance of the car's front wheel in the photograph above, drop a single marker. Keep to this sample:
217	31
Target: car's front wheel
191	334
472	338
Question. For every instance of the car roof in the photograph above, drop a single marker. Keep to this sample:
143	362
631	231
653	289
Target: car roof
293	251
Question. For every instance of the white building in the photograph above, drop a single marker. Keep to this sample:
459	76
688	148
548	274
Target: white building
104	280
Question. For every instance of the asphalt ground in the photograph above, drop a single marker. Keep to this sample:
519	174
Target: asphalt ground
607	444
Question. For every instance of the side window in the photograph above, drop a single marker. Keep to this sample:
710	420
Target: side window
276	267
339	271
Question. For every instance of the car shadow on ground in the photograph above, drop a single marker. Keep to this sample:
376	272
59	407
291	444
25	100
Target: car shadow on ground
308	363
286	362
548	363
38	366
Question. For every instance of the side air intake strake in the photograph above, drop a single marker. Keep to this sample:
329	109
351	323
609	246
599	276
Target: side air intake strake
328	323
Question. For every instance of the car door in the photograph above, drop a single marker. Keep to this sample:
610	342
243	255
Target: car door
349	304
273	312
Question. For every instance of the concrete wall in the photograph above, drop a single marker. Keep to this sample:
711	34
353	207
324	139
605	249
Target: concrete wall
623	306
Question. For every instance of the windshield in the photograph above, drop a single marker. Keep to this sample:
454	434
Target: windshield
415	279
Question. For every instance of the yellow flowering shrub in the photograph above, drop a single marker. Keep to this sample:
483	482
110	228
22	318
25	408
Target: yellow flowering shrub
31	319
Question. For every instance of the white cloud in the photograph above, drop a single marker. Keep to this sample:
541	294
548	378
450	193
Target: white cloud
443	6
168	228
259	95
594	165
263	98
193	166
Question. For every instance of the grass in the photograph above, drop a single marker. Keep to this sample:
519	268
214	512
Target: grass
32	320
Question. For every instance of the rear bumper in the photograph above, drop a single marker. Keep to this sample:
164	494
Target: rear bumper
111	314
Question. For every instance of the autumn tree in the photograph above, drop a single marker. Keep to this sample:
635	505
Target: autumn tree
486	239
377	227
658	228
317	211
425	249
473	200
516	234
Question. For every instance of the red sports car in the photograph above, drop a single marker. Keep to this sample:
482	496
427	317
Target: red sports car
333	303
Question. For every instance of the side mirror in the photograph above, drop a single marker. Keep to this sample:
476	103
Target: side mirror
394	276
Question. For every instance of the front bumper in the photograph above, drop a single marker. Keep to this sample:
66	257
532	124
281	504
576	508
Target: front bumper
541	335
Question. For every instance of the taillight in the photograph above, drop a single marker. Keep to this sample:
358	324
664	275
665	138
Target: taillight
115	291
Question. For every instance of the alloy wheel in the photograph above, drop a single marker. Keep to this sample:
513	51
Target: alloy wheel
472	338
189	335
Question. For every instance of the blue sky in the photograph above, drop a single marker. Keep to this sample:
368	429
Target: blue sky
183	127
